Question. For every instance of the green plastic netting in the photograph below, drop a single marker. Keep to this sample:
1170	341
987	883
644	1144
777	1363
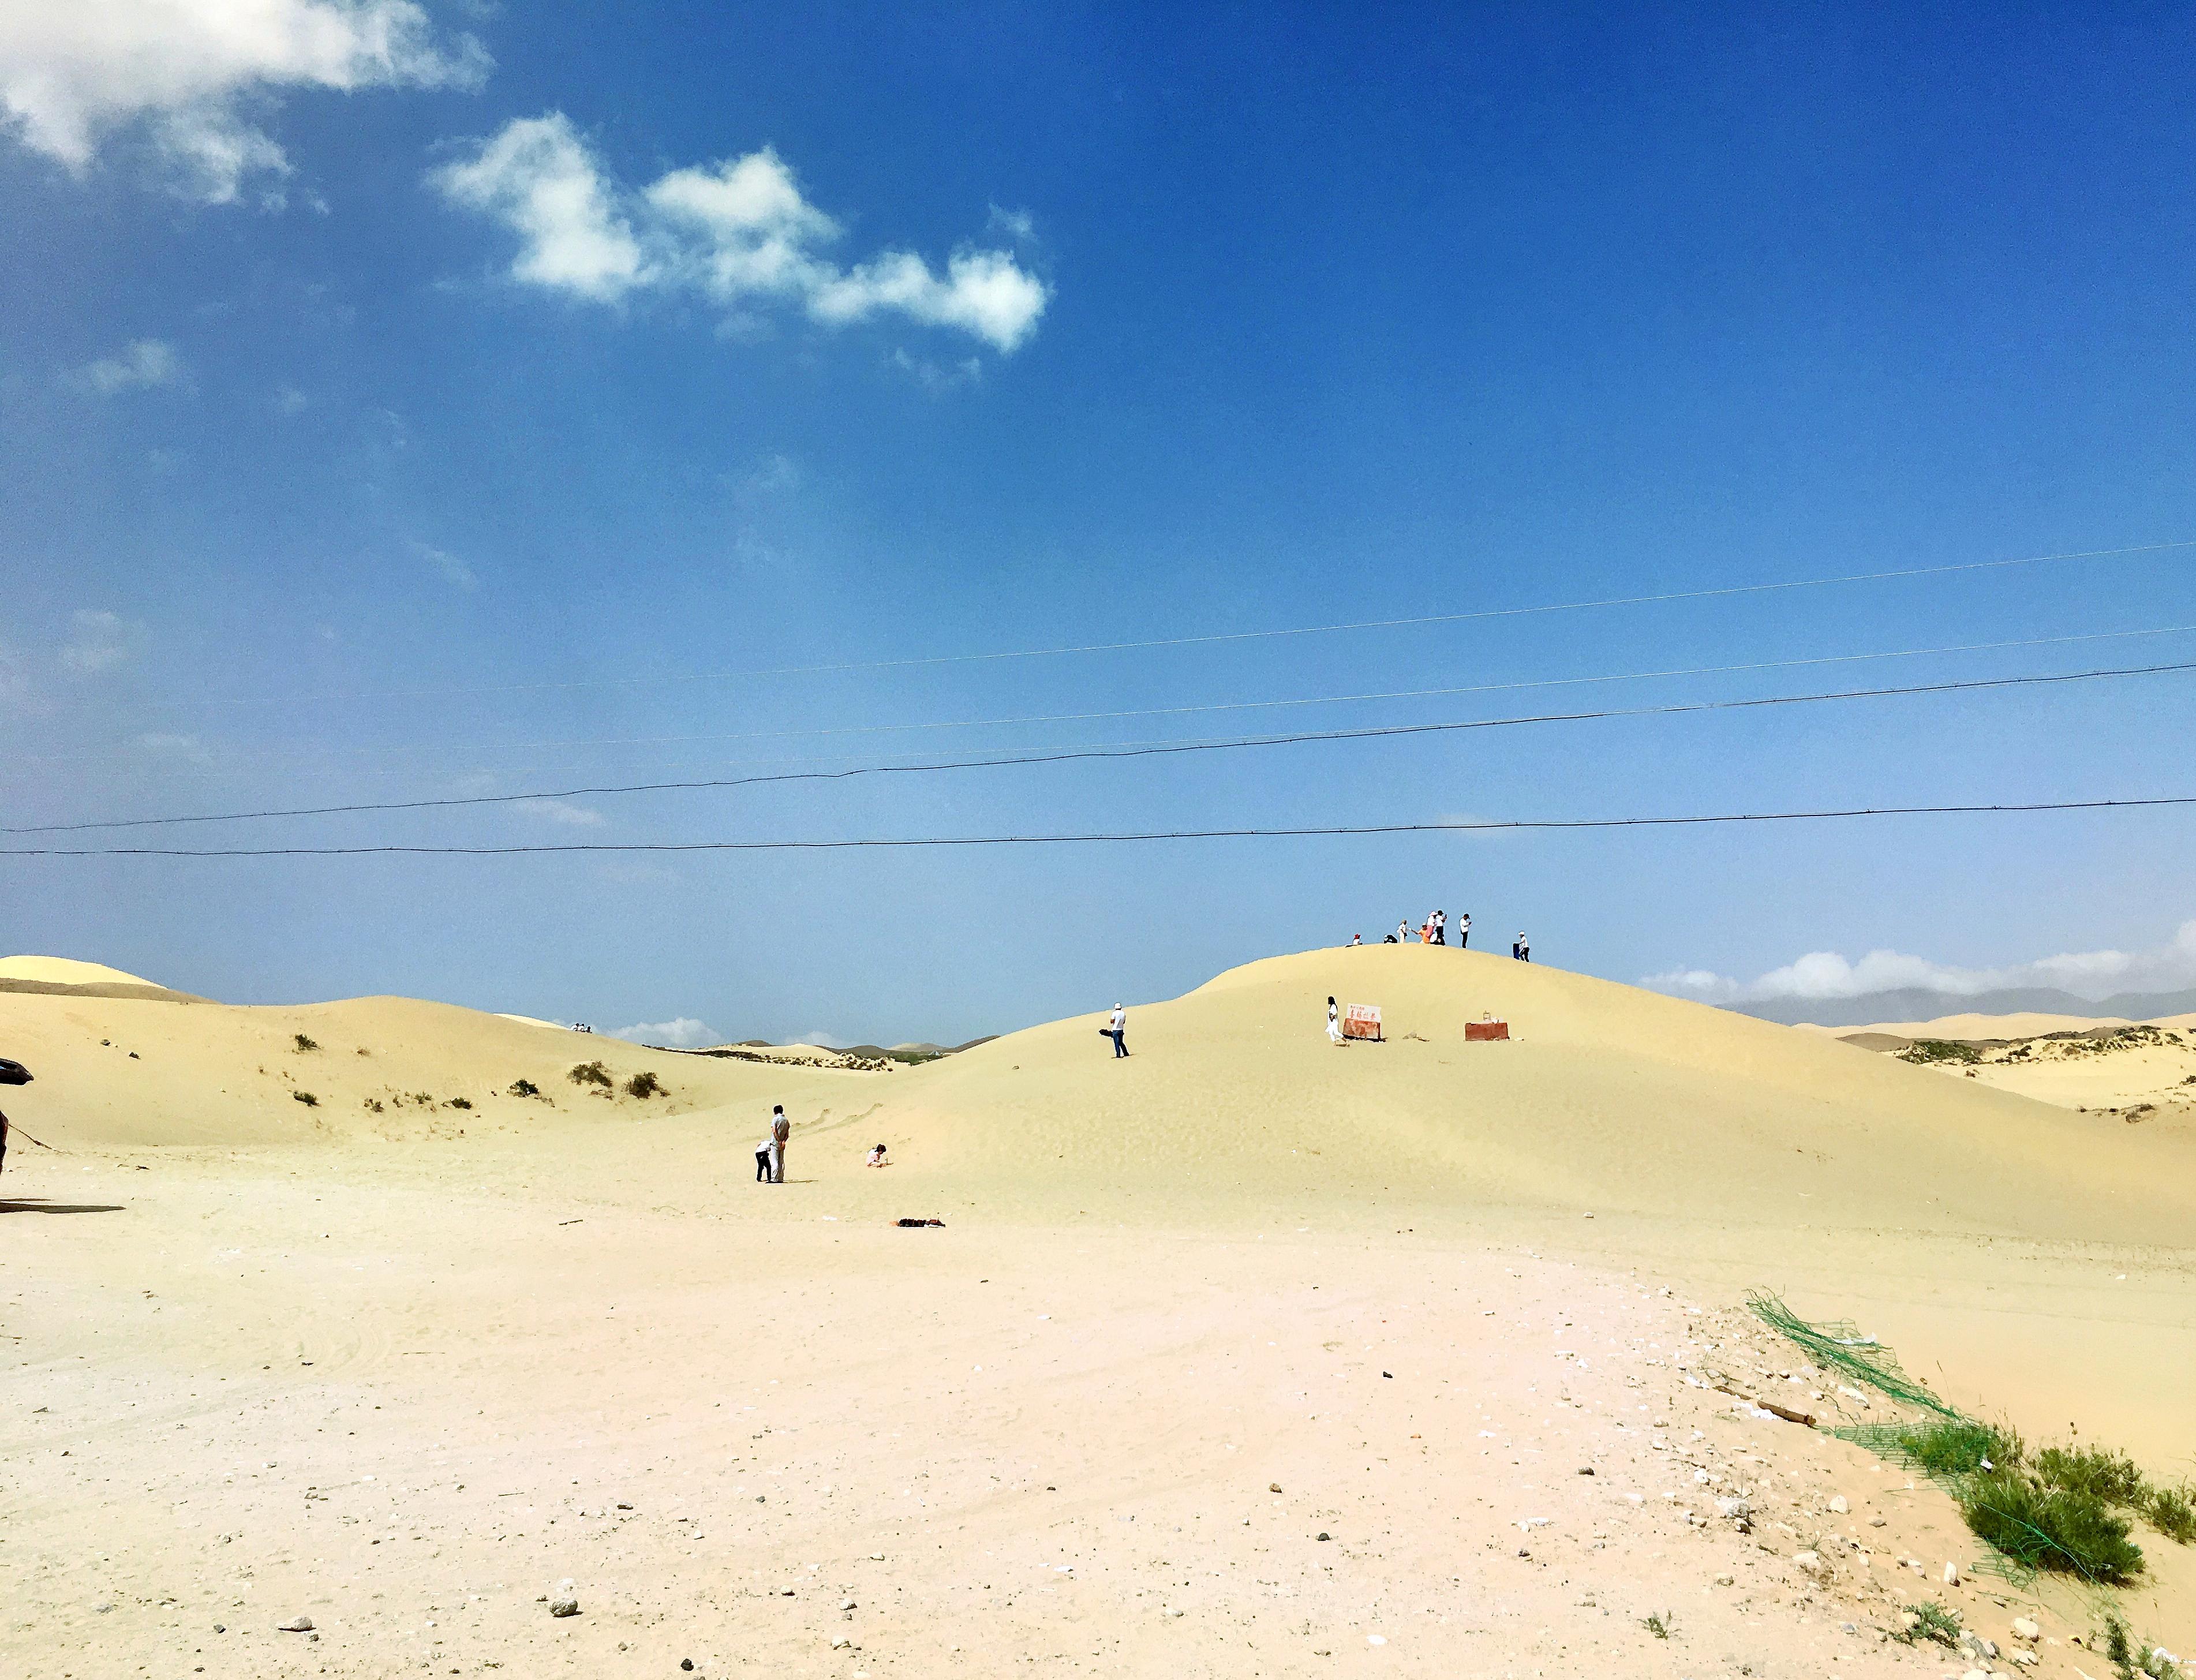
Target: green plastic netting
1840	1347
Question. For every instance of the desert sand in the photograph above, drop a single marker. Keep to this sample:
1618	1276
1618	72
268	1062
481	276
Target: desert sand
2139	1070
1245	1356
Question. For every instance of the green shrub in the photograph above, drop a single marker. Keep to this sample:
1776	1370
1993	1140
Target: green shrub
591	1073
524	1088
2117	1652
1957	1446
1933	1622
2051	1528
2172	1512
644	1084
1661	1625
304	1042
306	1098
2109	1476
461	1102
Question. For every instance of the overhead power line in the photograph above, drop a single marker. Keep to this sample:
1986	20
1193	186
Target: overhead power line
1117	838
1214	637
1453	691
1063	756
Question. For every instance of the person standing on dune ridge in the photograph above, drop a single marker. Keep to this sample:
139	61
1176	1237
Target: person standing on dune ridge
1522	948
1117	1029
1464	930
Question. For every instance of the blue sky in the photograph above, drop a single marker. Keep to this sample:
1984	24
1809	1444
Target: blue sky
403	402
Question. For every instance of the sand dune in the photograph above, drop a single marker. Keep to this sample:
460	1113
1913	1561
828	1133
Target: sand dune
1608	1099
2027	1025
1309	1345
66	971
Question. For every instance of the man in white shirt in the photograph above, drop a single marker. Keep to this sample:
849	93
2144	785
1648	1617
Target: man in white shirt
781	1130
1117	1032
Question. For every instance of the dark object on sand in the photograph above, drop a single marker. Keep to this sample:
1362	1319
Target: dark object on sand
912	1224
13	1073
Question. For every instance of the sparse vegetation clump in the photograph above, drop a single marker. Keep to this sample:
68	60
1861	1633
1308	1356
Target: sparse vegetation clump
303	1042
306	1098
2092	1471
1925	1050
2052	1528
1957	1446
1932	1622
591	1073
2172	1512
2060	1510
1661	1625
524	1088
459	1102
644	1084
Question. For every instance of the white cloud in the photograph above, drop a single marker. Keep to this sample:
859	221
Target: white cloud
685	1033
739	233
560	811
289	400
184	748
538	178
99	640
453	570
179	75
1826	974
138	366
822	1040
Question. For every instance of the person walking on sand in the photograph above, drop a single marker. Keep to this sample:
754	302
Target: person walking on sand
781	1130
1117	1029
1333	1022
1522	949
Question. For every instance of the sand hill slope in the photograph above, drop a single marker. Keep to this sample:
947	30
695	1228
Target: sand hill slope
131	1071
1608	1099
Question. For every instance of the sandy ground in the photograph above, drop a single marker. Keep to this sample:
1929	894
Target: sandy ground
401	1375
2141	1072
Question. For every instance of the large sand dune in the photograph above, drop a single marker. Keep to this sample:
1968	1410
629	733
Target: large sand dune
1244	1355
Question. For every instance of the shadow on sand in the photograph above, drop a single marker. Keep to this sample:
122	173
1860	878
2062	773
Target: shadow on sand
39	1205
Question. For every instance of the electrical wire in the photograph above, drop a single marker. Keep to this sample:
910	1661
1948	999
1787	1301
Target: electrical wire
1213	639
1525	684
1112	839
1375	732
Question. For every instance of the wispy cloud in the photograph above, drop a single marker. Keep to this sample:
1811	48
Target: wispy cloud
823	1041
138	366
739	233
455	571
100	640
935	378
174	77
1828	975
684	1033
560	811
178	749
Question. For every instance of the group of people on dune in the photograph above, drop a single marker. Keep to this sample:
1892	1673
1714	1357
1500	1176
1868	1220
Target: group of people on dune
770	1154
1434	930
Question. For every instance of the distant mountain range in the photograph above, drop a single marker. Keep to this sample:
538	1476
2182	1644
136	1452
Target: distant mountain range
1912	1003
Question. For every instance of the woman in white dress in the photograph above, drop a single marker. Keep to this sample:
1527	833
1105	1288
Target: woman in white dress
1333	1021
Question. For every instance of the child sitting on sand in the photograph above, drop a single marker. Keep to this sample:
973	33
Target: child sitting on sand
877	1158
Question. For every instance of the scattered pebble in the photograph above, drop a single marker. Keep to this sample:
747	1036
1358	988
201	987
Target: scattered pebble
564	1600
296	1624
